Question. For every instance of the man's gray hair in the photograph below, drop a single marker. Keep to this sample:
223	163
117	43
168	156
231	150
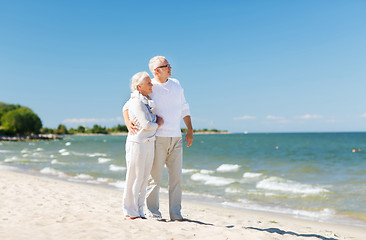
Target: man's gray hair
138	79
155	62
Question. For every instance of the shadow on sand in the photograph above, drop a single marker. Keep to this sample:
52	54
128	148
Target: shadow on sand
279	231
203	223
198	222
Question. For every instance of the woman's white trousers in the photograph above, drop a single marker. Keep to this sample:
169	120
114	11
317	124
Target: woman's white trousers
139	160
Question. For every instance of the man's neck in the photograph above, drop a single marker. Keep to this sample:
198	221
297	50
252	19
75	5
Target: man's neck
161	80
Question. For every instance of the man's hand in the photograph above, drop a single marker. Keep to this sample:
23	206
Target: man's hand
189	137
131	126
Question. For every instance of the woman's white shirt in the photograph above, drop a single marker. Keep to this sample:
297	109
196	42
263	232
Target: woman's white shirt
140	111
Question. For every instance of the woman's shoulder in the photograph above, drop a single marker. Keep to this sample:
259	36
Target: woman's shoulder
135	101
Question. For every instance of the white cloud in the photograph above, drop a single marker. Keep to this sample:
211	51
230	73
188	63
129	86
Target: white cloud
309	116
271	117
245	117
363	115
92	120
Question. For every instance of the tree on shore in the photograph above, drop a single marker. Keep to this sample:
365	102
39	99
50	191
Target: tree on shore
99	129
20	121
4	108
61	129
81	129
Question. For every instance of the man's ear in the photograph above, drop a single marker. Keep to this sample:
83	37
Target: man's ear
156	71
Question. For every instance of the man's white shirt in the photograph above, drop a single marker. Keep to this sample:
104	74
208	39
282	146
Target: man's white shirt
171	105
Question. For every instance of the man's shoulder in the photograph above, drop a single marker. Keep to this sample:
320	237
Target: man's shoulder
170	80
174	81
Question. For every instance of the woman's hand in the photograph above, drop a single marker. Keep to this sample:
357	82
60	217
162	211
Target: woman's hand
159	121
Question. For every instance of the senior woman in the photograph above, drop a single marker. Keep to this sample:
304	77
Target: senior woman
140	146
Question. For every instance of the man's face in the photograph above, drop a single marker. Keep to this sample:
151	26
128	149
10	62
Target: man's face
165	70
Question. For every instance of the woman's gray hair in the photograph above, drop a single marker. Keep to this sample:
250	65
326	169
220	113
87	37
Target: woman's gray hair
155	62
138	79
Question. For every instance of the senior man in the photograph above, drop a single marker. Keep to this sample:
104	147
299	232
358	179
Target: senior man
171	105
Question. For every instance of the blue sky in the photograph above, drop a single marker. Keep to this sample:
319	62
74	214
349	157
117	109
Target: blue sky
256	66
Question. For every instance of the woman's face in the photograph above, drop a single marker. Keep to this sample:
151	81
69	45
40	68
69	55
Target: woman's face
146	87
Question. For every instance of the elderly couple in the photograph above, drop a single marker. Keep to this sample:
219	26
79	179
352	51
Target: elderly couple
152	116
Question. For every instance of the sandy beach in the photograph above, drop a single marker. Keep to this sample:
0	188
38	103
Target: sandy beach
34	207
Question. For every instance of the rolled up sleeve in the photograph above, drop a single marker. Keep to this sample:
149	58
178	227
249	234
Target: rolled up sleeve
185	106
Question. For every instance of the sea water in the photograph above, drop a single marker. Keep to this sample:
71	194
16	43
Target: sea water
317	176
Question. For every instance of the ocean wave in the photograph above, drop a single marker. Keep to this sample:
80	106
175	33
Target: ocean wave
283	185
12	159
55	161
104	160
252	175
52	171
228	168
205	171
189	170
232	190
83	177
212	180
102	180
68	144
323	214
64	152
39	149
5	151
96	154
118	184
115	168
38	160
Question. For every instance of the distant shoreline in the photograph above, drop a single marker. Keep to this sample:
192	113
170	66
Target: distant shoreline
30	138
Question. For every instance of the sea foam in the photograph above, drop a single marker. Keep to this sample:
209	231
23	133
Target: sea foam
205	171
212	180
5	151
83	177
115	168
12	159
189	170
96	154
51	171
118	184
252	175
104	160
283	185
228	168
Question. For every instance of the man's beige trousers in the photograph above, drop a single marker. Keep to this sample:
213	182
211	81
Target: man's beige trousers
168	151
